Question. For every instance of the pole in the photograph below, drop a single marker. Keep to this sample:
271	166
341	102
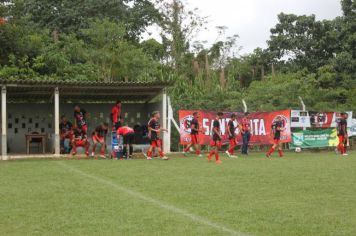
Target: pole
166	142
244	104
57	144
3	125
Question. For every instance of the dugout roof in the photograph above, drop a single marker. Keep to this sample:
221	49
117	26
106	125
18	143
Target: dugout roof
82	91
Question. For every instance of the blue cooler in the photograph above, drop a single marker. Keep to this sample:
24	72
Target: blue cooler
117	146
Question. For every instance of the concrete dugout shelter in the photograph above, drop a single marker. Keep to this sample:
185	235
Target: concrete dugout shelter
36	106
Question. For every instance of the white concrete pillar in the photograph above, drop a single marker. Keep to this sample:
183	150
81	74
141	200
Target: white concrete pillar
169	123
57	147
3	125
166	147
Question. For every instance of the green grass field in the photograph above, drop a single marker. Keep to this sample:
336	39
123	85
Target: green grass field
303	194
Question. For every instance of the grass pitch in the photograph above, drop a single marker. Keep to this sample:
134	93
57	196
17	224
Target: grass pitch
303	194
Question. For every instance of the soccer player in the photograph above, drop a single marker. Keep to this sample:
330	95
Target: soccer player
342	134
216	139
80	118
155	130
128	135
80	139
277	128
195	129
231	128
99	137
246	134
66	132
116	115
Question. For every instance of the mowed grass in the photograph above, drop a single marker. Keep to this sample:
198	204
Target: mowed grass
303	194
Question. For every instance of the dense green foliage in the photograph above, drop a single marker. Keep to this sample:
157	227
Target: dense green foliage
303	194
103	40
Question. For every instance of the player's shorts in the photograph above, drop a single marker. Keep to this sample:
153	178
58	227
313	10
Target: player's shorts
232	141
156	143
216	143
80	143
276	140
194	138
129	138
97	139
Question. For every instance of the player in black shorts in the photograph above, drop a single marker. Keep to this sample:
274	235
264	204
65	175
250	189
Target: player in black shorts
231	128
277	128
194	133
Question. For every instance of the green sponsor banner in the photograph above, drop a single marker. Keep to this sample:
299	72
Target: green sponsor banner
314	138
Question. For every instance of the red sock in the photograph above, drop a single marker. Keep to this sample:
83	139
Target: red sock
74	149
280	153
186	149
270	151
149	153
231	150
211	152
197	152
93	149
217	156
161	154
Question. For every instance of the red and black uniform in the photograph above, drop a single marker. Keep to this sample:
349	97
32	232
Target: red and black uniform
342	133
194	131
80	140
79	117
127	133
155	139
231	126
99	134
116	116
277	127
216	141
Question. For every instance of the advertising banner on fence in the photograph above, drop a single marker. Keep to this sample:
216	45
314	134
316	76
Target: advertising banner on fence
260	123
314	138
307	119
352	128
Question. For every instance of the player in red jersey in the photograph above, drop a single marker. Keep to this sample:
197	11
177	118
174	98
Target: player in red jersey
277	128
116	115
80	139
155	130
194	133
80	116
246	133
99	137
342	134
231	128
216	139
128	135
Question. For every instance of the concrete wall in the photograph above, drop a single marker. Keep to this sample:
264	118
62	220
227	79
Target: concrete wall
27	118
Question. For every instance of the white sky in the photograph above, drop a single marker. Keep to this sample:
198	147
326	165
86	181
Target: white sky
253	19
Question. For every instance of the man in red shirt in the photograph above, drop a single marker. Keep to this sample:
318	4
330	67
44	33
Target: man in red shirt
80	139
116	115
128	135
155	129
194	133
99	137
231	128
246	135
216	138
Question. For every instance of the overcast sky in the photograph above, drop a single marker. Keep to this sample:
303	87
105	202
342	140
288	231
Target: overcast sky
253	19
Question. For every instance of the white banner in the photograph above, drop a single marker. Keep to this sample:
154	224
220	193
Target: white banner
352	128
300	119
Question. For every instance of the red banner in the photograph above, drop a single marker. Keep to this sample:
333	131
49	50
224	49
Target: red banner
260	123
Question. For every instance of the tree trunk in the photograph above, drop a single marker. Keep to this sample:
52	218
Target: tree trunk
262	72
207	67
222	78
273	71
